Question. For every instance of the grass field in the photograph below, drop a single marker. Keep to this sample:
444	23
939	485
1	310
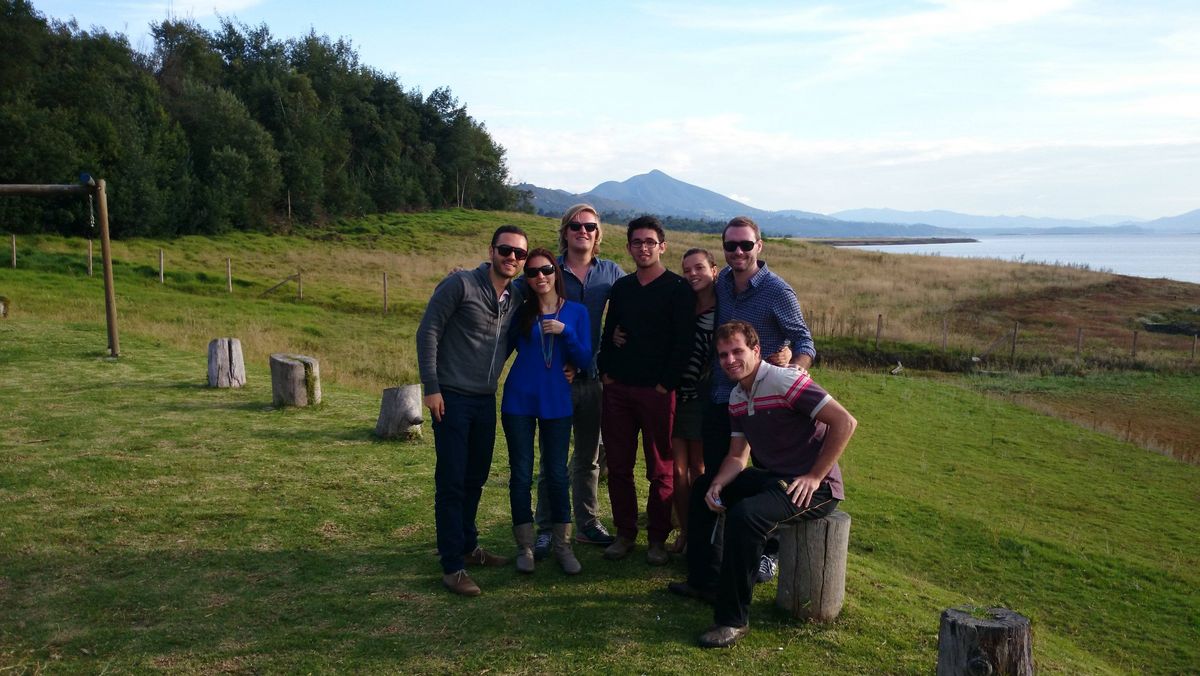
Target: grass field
149	523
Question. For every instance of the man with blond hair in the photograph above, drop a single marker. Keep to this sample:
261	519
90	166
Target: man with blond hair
588	280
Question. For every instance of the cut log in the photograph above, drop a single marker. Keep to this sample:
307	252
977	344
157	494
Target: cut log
226	368
400	413
295	380
812	567
1000	643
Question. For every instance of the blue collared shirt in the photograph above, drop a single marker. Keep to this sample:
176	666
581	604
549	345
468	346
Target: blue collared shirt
769	305
592	291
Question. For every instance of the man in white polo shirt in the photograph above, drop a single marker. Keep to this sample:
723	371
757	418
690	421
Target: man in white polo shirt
795	432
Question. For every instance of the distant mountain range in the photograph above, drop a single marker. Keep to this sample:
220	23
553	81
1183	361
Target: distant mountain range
657	193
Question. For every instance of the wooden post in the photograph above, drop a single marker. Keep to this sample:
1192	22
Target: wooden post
160	266
1194	337
945	331
229	275
14	251
1133	350
226	367
89	258
400	413
110	296
1001	643
1012	353
878	329
1079	344
812	567
385	293
299	286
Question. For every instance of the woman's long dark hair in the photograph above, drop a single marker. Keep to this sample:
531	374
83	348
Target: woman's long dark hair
529	309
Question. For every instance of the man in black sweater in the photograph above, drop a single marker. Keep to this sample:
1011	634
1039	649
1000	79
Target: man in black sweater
653	308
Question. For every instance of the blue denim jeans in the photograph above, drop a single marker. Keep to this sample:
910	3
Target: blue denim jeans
555	441
464	440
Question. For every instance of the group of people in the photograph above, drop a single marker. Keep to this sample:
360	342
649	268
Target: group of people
675	359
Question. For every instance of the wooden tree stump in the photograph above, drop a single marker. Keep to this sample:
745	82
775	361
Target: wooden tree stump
1001	643
226	368
812	567
4	305
400	413
295	380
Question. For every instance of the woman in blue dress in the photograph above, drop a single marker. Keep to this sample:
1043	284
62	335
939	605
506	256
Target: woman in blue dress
548	332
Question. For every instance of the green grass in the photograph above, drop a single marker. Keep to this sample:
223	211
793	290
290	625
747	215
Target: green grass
149	522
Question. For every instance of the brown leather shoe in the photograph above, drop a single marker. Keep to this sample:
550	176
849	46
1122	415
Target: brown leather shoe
460	583
482	557
656	554
619	549
722	637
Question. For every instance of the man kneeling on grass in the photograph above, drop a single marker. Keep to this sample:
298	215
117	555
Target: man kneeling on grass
795	432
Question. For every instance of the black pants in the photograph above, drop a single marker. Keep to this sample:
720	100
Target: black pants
756	502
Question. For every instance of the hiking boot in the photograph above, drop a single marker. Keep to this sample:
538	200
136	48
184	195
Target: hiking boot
619	549
482	557
460	583
657	555
541	546
523	534
562	549
722	637
687	590
594	534
768	566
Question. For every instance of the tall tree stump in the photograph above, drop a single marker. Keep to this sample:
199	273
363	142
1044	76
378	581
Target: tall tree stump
400	413
295	380
226	368
4	304
1001	643
812	567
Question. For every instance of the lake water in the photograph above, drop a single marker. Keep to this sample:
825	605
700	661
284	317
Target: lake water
1144	255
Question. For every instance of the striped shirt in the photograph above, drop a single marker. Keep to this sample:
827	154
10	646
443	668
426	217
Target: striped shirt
769	305
699	366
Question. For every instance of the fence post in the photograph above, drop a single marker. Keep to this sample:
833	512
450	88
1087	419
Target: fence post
229	275
945	331
1133	350
385	293
160	266
14	251
1079	344
299	286
878	330
89	258
1012	354
1194	337
110	296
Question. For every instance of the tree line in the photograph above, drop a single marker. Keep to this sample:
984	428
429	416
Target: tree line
227	129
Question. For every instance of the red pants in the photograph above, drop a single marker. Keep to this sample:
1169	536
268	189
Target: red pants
628	410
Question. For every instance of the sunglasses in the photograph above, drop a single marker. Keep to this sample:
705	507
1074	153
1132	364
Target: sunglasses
506	250
745	245
576	227
545	271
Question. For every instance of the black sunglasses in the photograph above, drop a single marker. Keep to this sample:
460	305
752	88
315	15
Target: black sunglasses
745	245
505	250
576	227
545	271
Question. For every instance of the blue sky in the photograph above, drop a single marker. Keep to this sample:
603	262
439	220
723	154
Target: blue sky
1044	108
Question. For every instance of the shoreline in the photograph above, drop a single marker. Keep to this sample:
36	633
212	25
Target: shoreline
884	241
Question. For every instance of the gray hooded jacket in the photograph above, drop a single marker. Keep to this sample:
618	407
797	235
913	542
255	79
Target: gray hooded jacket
461	340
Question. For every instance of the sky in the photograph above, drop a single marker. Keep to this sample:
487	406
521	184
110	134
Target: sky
1059	108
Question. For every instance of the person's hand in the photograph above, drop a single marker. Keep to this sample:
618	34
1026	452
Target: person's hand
801	490
569	372
552	326
660	389
618	337
783	357
436	405
606	379
713	498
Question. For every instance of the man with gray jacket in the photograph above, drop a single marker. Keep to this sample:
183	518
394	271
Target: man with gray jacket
461	351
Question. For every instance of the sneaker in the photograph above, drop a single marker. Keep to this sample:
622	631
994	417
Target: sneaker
619	549
595	534
687	590
482	557
460	583
656	554
768	566
541	546
722	637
